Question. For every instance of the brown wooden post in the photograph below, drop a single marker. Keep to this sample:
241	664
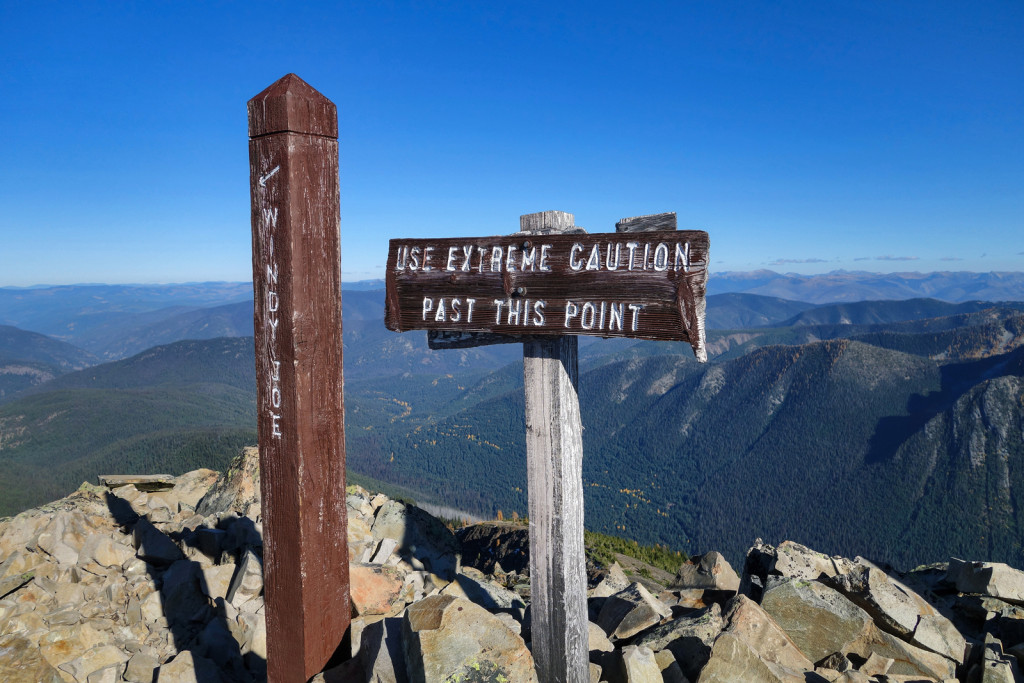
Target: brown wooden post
293	170
554	466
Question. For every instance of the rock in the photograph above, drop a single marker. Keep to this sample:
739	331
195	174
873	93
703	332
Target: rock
420	536
94	659
854	676
446	637
189	668
21	660
181	596
374	589
630	611
639	665
17	563
488	544
670	670
105	551
732	661
360	537
988	578
891	605
484	593
597	641
51	541
140	668
152	545
790	560
937	633
238	490
995	666
898	609
381	654
217	580
688	638
62	644
209	543
190	488
756	628
248	580
707	571
14	582
876	665
256	643
108	674
614	580
216	643
142	482
836	661
800	562
821	621
384	550
358	502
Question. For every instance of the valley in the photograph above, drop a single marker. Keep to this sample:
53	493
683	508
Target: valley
890	429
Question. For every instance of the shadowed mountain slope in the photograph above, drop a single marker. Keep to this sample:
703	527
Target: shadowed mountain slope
28	359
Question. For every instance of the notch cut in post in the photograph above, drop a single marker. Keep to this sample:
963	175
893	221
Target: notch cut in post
293	170
554	463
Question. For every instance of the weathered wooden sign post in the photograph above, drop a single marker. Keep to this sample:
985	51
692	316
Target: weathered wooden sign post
542	286
296	264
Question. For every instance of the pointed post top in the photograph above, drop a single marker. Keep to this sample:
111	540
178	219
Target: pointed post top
291	105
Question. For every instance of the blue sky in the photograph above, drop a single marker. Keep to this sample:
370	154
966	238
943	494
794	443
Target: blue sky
803	136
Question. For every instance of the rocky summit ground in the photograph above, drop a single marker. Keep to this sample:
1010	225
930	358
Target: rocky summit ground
161	580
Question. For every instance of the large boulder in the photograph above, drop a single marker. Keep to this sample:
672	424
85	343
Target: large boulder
490	545
238	491
449	639
821	621
754	648
899	610
423	540
375	589
21	660
630	611
987	578
709	571
485	593
688	638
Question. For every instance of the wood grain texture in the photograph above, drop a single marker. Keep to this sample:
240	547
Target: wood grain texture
554	464
291	105
548	222
694	300
293	166
552	278
649	223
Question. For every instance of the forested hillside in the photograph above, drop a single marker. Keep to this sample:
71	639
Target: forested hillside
821	443
171	409
28	359
859	427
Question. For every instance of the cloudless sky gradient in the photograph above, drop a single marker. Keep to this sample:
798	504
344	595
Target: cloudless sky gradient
803	136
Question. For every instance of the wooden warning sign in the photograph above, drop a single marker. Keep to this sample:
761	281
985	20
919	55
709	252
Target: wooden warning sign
644	285
542	287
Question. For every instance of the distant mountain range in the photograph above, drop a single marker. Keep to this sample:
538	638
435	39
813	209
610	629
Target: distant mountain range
888	428
837	286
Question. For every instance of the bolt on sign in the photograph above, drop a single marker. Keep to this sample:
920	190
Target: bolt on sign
644	285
